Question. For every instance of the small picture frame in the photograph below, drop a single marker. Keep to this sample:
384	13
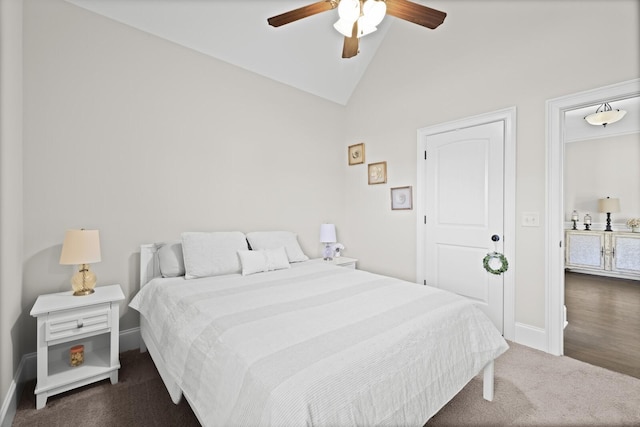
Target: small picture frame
356	154
401	198
377	173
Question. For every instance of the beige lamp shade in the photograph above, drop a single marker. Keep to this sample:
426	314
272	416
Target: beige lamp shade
609	205
80	247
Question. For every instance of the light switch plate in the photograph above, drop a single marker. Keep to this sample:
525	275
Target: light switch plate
530	219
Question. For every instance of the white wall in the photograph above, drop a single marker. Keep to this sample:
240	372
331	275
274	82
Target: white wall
487	56
10	192
598	168
143	139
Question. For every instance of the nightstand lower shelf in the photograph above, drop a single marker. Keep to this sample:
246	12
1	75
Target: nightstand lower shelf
96	363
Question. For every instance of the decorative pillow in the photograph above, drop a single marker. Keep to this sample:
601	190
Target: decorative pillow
171	260
212	254
263	260
276	239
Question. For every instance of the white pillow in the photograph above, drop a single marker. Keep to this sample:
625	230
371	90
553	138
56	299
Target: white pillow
275	239
263	260
212	254
171	260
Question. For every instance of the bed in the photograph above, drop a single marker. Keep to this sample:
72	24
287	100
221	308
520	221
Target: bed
291	343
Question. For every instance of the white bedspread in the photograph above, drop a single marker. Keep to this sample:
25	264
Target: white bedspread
316	345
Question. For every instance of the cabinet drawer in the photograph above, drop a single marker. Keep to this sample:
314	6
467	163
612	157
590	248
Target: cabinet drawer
76	322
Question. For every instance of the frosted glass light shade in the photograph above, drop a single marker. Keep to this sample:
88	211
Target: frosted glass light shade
344	27
364	28
373	12
349	10
605	115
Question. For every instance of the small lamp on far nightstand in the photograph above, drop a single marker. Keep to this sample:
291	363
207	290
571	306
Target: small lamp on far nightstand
608	206
81	247
327	236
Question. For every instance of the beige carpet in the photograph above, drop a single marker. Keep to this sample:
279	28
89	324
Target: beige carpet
532	389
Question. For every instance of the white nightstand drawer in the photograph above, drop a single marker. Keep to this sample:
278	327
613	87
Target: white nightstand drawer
80	321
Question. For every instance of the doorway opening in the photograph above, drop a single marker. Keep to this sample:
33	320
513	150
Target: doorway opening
557	220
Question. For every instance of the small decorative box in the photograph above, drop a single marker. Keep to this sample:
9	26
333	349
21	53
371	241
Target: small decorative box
77	355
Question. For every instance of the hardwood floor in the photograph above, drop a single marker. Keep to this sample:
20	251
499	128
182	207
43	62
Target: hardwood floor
604	322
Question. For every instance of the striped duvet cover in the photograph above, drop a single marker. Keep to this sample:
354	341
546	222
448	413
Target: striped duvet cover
315	345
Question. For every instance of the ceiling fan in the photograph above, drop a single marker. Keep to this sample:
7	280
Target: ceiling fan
359	17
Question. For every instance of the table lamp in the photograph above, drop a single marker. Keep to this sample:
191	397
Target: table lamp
81	247
327	236
608	205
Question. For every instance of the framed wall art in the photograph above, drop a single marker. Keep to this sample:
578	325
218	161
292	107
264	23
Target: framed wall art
401	198
377	173
356	154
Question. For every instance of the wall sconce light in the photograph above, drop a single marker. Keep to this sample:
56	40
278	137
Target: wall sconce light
605	115
608	205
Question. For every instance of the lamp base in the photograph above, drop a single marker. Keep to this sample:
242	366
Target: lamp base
328	253
608	227
83	281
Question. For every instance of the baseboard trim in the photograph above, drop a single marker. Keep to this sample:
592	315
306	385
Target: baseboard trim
10	405
28	370
130	339
531	336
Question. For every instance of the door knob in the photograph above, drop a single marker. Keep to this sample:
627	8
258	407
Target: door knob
495	238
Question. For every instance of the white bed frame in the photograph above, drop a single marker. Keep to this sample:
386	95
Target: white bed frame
150	268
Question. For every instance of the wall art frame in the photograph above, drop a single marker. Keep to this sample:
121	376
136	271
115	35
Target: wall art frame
377	173
402	198
356	154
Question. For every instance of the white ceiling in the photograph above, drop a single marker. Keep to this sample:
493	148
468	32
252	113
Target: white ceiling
305	54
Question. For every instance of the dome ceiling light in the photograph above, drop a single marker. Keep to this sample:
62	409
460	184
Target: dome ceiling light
605	115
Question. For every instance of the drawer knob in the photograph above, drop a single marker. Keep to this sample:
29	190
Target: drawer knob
80	323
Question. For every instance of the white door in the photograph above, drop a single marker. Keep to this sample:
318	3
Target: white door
464	213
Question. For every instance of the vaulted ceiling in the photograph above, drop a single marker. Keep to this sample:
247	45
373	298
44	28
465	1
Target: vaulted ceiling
305	54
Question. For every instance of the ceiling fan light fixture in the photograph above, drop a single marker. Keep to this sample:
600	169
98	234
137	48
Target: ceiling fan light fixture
364	29
344	27
605	115
349	10
373	12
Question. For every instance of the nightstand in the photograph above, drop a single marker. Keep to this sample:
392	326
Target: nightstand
343	261
65	321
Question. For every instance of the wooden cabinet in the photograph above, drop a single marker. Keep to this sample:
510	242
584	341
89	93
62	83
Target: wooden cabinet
607	253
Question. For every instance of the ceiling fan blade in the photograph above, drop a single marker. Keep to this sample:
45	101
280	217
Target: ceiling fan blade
302	12
350	46
416	13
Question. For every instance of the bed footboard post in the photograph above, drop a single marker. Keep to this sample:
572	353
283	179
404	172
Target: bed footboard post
487	382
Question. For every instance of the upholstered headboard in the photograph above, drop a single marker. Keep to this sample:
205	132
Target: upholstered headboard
149	263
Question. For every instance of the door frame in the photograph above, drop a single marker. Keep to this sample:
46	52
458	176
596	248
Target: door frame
554	233
508	117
